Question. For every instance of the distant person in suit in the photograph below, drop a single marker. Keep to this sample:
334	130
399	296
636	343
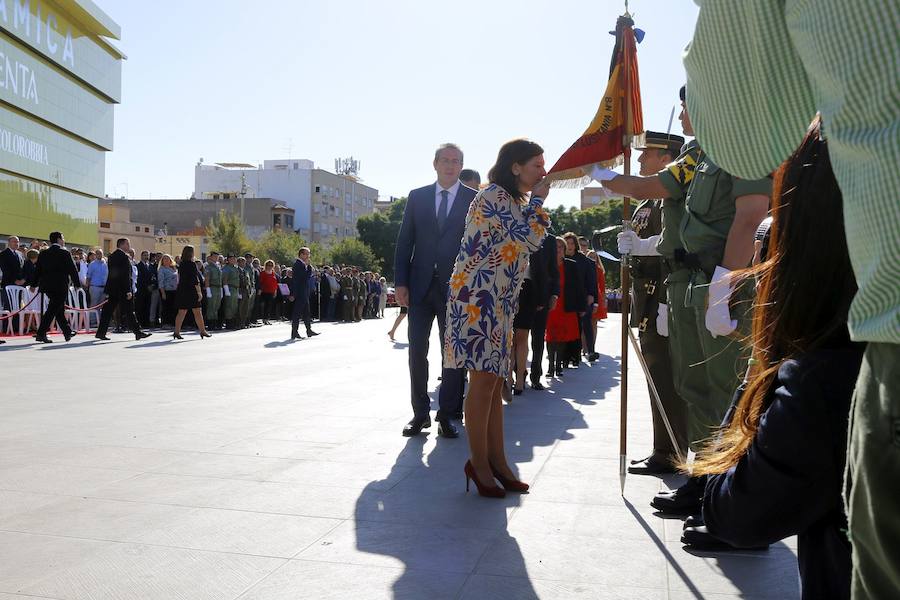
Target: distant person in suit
119	286
470	178
52	274
543	271
11	263
144	289
302	272
189	294
433	224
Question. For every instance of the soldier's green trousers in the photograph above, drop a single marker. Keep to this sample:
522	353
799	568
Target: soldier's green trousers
244	305
706	370
873	475
655	350
213	303
231	304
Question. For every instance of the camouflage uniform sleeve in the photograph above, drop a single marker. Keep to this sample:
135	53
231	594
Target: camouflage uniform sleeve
676	177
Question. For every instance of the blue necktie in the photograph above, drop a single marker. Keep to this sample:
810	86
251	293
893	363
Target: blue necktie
442	210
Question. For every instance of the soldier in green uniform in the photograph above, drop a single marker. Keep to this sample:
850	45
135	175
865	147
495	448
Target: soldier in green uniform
359	289
716	233
231	288
649	311
252	277
213	290
348	296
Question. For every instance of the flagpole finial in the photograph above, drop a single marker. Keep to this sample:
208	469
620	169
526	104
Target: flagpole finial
627	14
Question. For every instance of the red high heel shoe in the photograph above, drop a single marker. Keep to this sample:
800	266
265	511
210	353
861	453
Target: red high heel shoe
483	490
510	485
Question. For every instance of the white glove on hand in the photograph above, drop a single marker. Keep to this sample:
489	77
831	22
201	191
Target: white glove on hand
718	316
662	320
226	290
601	174
629	243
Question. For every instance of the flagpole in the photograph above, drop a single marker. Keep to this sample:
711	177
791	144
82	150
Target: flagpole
625	278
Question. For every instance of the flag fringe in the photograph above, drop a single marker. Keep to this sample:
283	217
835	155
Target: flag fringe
580	177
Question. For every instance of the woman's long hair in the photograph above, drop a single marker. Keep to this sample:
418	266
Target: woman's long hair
804	290
187	254
514	152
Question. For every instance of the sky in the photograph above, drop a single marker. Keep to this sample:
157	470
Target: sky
385	82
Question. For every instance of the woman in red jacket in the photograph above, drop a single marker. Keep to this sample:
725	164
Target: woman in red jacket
268	284
562	324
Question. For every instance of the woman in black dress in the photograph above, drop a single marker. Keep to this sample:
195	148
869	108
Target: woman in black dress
188	295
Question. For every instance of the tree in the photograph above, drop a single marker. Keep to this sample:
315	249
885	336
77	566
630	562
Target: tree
226	230
354	252
379	231
279	245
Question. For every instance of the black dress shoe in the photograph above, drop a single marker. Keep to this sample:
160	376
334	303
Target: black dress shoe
694	521
43	339
651	466
101	337
141	335
686	500
69	335
446	428
593	356
537	385
416	425
297	336
311	333
698	538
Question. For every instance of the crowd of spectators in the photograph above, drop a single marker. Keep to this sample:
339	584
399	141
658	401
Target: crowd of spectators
260	289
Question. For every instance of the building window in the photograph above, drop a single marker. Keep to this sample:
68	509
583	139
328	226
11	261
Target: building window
104	225
318	189
289	221
296	166
137	229
276	221
146	230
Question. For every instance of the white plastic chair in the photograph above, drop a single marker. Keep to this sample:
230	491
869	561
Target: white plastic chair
81	301
74	317
32	313
14	301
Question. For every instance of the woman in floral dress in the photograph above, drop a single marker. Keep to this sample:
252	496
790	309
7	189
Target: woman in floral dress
503	226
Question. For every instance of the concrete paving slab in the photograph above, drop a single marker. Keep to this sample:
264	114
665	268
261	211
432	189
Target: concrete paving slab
256	468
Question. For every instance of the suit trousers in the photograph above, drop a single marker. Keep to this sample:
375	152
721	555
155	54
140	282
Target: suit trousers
300	310
154	307
538	329
126	312
56	309
421	318
588	331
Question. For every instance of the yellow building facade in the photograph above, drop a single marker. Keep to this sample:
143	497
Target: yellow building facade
60	77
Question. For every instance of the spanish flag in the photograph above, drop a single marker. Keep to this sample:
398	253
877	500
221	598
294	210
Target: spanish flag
617	121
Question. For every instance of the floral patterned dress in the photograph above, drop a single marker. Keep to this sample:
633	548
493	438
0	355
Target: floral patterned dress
484	290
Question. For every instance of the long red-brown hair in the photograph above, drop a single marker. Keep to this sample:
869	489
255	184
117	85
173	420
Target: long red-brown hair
804	290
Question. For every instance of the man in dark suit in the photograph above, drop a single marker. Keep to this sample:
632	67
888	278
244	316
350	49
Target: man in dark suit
433	224
144	290
544	274
54	268
300	295
11	263
118	291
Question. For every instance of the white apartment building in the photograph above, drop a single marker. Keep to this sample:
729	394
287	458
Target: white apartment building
326	205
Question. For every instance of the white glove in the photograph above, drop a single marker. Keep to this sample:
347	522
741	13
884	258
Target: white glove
662	320
226	291
629	243
601	174
208	293
718	316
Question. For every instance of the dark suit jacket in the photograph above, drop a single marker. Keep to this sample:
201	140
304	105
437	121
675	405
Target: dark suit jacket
544	272
11	267
422	249
587	270
55	267
575	296
300	281
144	277
118	282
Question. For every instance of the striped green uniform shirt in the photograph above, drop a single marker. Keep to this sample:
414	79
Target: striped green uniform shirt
757	74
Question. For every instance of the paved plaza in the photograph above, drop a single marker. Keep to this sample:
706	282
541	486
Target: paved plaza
247	466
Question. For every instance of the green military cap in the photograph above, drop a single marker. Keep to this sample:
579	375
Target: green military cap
661	141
